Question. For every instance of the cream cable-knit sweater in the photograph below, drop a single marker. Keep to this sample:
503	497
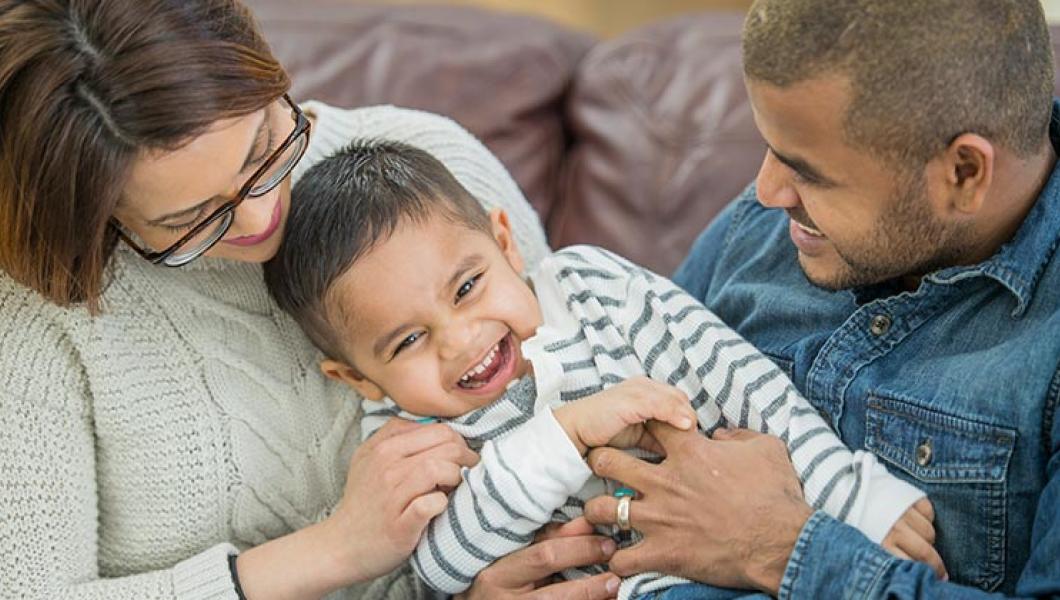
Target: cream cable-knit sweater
139	449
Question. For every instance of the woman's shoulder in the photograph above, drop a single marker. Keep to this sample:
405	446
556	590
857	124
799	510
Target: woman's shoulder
38	359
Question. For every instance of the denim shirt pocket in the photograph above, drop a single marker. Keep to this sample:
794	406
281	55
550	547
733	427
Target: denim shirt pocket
962	465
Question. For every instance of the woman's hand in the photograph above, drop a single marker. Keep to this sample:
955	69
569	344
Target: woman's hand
528	573
393	489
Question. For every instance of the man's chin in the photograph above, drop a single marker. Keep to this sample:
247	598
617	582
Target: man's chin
827	275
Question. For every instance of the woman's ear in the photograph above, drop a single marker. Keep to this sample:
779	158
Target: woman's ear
339	371
502	233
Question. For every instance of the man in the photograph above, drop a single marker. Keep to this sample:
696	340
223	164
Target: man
897	256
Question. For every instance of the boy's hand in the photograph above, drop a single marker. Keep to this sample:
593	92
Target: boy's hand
616	415
913	537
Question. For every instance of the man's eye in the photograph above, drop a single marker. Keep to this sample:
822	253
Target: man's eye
405	343
468	285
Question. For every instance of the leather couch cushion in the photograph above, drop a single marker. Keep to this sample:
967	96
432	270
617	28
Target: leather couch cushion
502	76
663	139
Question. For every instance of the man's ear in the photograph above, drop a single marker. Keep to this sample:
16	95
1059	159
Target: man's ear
502	233
339	371
966	168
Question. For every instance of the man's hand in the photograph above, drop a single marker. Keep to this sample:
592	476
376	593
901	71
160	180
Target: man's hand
616	416
528	573
725	511
913	537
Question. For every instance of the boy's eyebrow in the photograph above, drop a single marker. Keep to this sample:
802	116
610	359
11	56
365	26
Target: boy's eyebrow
385	340
463	267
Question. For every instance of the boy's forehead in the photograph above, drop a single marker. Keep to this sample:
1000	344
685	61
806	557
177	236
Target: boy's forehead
405	273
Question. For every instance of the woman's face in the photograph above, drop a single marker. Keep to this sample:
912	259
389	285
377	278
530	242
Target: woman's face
170	192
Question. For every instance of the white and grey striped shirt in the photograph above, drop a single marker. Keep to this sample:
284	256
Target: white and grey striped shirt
606	320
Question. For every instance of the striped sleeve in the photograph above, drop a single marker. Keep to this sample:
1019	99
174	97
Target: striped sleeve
521	479
729	382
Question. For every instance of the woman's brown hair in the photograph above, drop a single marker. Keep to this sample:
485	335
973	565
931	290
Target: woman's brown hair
86	86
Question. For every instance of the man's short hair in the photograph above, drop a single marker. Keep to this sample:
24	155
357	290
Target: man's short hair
922	72
343	207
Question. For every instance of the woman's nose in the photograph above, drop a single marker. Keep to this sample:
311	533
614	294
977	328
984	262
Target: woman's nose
773	184
254	215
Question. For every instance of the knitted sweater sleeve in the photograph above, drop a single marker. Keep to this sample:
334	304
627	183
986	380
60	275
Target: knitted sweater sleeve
48	495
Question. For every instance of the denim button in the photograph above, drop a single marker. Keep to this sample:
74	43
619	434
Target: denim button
923	453
880	325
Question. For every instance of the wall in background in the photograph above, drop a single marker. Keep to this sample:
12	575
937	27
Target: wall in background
601	17
610	17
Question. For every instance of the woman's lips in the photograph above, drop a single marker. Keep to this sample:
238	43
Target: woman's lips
253	240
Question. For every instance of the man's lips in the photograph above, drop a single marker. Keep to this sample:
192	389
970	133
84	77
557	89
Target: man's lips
253	240
800	222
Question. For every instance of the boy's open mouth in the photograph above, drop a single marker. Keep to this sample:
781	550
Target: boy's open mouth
494	365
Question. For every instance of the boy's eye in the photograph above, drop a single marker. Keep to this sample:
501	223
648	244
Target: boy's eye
405	343
467	286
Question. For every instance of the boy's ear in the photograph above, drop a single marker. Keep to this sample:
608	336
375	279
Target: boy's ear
502	233
338	371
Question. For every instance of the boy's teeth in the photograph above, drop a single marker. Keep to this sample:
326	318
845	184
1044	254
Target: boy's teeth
482	366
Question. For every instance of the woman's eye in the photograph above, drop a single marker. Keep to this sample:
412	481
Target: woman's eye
405	343
188	225
468	285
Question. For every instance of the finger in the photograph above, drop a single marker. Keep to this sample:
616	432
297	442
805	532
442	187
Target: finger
920	524
925	508
602	510
417	477
674	409
648	442
611	463
669	437
726	434
537	561
392	427
597	587
413	520
420	438
579	526
918	549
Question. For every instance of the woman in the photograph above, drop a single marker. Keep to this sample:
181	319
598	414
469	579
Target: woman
158	413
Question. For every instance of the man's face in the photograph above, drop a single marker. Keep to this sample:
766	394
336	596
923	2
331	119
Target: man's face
855	219
435	315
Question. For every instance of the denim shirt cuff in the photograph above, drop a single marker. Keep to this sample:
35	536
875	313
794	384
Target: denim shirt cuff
833	560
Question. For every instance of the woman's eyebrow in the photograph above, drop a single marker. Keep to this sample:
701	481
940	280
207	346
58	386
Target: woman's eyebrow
246	162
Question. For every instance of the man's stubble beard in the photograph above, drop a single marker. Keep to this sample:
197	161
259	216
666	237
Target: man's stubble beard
908	242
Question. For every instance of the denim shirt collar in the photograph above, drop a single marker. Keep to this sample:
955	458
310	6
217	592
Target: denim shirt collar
1019	264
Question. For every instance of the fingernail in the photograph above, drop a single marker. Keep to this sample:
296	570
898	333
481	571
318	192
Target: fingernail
609	547
684	423
945	576
612	585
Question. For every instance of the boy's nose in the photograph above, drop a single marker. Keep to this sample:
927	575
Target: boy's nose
457	341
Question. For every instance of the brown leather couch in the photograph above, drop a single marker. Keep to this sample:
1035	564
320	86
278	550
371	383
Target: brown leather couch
633	143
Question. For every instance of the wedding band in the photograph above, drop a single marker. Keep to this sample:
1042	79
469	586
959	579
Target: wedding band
622	513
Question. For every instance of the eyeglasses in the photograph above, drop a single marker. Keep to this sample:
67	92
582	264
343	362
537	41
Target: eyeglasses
210	230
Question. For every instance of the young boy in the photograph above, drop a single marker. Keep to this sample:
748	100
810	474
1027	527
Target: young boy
416	296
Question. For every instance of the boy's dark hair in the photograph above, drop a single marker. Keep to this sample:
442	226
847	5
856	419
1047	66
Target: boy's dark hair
343	207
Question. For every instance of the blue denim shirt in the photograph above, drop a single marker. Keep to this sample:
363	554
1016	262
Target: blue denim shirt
954	386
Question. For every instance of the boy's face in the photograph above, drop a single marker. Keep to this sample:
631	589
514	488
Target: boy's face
433	317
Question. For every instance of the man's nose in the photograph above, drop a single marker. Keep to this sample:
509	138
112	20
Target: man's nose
773	184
